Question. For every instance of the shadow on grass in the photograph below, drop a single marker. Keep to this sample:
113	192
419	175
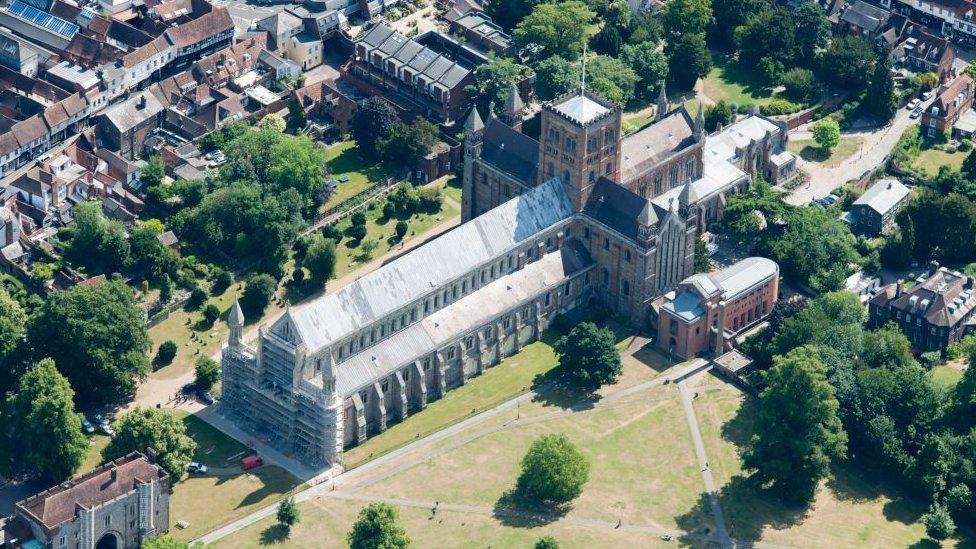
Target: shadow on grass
814	154
517	510
734	73
349	161
274	534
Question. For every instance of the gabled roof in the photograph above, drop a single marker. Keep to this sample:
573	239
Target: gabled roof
201	28
510	151
643	149
617	207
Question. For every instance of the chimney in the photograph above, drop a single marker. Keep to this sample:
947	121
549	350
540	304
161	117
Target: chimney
933	267
141	104
113	474
898	286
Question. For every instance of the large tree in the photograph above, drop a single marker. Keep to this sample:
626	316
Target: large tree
553	471
373	119
493	82
688	60
848	62
683	18
554	77
731	14
649	64
611	78
98	244
812	30
880	98
770	35
407	143
587	356
377	527
97	337
165	541
798	431
556	29
161	431
508	13
45	423
257	295
12	322
320	258
826	132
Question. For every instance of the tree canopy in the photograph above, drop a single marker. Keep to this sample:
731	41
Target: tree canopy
13	319
880	98
377	526
555	29
160	430
320	258
587	356
848	62
553	471
257	295
649	65
373	119
826	132
98	340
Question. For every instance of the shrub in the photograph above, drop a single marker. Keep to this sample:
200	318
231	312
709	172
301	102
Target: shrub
401	229
257	295
430	200
166	353
211	313
357	232
358	219
221	280
332	232
197	298
389	210
800	83
778	107
207	373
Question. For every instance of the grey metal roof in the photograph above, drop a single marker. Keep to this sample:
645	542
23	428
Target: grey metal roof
454	76
616	207
393	43
431	266
468	313
743	275
883	195
424	58
510	151
377	35
686	305
581	108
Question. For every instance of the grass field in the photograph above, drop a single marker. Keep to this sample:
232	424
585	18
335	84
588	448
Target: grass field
631	125
344	159
930	160
734	84
945	377
811	152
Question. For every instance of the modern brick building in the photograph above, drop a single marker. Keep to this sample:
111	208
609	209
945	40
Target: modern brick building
707	310
116	506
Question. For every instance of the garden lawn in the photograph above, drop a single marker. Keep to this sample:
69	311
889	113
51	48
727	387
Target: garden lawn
510	378
930	160
94	457
849	510
945	377
631	125
735	84
344	159
811	152
325	522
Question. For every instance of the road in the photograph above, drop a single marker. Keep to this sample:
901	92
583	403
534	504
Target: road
878	144
244	14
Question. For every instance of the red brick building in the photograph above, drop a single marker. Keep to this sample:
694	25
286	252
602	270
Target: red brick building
725	302
954	99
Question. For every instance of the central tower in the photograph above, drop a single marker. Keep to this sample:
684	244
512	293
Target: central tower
580	142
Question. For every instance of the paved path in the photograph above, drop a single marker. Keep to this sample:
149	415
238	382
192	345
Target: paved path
878	144
720	531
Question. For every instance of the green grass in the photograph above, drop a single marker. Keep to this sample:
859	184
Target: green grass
930	160
452	188
631	125
344	159
811	152
512	377
735	84
945	377
94	457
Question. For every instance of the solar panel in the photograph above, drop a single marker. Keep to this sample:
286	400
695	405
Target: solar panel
43	19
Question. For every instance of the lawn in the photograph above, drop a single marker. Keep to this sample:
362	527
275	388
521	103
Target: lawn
734	84
848	511
930	160
811	152
326	521
631	125
945	377
94	457
344	159
510	378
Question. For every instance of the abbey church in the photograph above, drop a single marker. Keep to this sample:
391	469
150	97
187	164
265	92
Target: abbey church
581	215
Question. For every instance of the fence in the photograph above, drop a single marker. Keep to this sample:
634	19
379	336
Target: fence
352	204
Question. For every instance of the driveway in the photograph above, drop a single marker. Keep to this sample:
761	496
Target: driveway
878	144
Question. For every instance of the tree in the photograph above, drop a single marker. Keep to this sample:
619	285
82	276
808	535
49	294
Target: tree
886	347
150	258
554	77
401	229
45	423
608	41
159	430
826	132
296	114
166	353
377	526
153	172
288	513
165	541
880	98
553	471
688	60
769	35
368	247
98	244
210	314
494	81
938	523
816	248
12	322
206	373
649	64
798	431
373	119
320	259
812	30
272	121
97	337
800	83
703	263
611	78
555	29
587	356
848	62
720	114
547	542
257	295
508	13
731	14
407	143
685	18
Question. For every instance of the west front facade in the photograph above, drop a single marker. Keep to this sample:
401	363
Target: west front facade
548	228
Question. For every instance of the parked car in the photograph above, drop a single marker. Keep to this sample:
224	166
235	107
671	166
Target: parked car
207	398
87	427
196	468
928	95
251	462
106	428
913	103
916	113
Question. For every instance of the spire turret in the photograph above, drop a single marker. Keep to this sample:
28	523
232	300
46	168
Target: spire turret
235	320
662	103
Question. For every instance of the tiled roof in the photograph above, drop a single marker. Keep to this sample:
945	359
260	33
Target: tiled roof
656	142
201	28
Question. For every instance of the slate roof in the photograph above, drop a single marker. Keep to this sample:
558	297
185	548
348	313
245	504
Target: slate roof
402	51
643	149
471	311
616	207
883	195
510	151
57	505
865	16
429	267
126	115
943	299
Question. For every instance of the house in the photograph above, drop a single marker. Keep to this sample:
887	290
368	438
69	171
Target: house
707	310
280	26
125	126
953	100
873	213
478	29
118	505
933	313
329	104
222	66
863	19
20	55
205	34
280	67
953	18
169	240
921	51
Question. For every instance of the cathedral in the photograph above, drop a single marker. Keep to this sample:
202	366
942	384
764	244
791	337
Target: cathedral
583	215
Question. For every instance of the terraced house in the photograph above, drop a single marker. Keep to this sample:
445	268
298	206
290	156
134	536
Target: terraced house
347	365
